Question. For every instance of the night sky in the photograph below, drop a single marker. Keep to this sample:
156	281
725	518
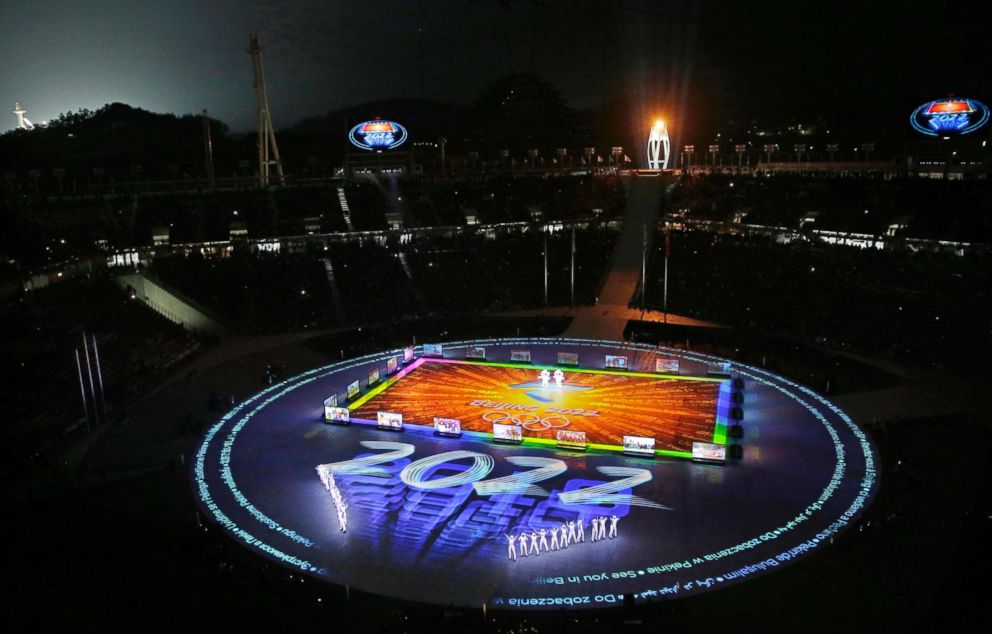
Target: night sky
723	60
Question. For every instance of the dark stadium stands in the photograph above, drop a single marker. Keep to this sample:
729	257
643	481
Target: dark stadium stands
939	210
431	275
39	386
919	307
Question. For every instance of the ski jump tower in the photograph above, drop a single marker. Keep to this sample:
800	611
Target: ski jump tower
22	122
268	151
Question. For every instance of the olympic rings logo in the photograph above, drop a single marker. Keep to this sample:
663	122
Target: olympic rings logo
527	420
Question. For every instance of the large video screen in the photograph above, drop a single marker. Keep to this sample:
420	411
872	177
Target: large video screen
709	452
520	356
613	402
638	445
568	358
508	433
570	439
616	362
433	350
475	352
391	364
353	390
373	376
390	420
448	426
339	415
666	366
408	354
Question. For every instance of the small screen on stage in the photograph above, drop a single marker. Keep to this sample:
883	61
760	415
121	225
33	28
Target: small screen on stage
337	415
570	439
638	445
666	366
448	426
616	362
353	390
373	376
408	354
507	433
433	350
331	401
520	356
390	420
475	352
391	364
709	452
568	358
719	369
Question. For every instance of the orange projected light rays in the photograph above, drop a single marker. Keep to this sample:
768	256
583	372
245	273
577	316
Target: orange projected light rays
675	412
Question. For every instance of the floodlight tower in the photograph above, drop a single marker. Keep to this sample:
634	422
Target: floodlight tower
658	146
266	135
22	122
208	149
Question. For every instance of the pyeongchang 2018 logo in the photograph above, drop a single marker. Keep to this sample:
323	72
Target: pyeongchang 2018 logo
949	117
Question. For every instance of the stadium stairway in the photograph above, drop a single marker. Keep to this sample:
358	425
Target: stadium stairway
417	293
345	210
335	293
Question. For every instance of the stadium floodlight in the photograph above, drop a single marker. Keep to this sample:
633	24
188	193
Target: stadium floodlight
443	141
659	146
689	150
739	149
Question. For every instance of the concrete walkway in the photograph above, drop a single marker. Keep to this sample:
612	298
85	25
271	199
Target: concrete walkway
643	201
609	318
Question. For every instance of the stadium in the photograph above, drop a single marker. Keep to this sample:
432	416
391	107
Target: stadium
599	345
437	520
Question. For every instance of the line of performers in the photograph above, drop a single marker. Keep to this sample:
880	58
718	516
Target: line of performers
532	543
327	478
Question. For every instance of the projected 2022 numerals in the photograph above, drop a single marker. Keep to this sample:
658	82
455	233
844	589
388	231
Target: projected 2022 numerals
525	482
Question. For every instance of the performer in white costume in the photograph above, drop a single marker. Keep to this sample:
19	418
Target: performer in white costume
511	549
535	545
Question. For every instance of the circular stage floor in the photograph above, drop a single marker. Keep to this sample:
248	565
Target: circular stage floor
429	518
